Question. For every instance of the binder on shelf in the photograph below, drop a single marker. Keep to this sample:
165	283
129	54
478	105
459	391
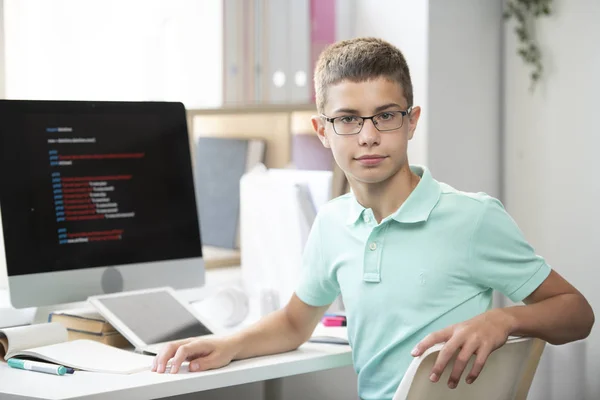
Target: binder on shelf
219	165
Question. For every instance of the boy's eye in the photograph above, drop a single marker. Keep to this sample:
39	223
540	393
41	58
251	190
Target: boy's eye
386	116
348	120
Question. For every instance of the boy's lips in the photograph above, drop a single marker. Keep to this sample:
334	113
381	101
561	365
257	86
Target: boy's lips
370	159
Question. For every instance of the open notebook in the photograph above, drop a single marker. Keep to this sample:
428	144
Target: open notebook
48	342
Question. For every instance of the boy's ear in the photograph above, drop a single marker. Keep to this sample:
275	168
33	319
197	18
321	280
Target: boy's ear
413	119
319	126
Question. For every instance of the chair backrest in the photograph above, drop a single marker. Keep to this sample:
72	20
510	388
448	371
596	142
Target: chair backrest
507	375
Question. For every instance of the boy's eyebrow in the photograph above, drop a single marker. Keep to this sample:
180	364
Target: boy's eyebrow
385	107
346	110
377	110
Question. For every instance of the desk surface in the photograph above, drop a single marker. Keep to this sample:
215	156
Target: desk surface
310	357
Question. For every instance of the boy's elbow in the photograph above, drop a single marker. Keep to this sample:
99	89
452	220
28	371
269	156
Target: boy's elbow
580	327
298	332
587	318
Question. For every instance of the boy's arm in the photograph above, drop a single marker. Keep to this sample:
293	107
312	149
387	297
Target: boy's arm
555	312
281	331
499	257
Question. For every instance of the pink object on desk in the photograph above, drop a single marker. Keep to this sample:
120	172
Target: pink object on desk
333	321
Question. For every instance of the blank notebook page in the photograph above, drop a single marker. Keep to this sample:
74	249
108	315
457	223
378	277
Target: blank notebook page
92	356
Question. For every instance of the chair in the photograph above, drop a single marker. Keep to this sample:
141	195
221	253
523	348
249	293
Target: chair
507	374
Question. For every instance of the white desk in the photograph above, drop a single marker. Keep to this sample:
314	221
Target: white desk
310	357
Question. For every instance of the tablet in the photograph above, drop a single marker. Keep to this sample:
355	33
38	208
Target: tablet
150	318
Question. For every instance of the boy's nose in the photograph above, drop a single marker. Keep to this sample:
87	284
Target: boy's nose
369	134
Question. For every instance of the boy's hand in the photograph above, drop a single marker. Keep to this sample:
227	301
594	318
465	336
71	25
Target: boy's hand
479	336
202	353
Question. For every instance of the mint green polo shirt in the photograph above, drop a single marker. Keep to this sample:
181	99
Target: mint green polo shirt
431	264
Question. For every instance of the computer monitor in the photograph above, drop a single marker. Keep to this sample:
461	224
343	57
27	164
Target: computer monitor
96	197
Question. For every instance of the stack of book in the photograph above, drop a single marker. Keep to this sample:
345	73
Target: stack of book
87	323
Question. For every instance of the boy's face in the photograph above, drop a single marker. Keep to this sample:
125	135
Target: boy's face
370	156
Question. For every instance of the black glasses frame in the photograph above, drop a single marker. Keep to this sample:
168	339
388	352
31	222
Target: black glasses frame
332	120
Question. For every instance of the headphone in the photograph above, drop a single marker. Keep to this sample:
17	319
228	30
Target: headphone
228	307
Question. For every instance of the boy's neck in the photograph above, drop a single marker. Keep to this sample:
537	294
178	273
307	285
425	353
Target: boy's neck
386	197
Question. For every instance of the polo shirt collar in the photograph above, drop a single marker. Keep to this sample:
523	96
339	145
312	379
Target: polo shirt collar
416	208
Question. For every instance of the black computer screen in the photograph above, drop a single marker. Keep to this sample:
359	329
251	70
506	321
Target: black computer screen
89	184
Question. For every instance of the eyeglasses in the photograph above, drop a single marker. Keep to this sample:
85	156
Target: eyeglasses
353	124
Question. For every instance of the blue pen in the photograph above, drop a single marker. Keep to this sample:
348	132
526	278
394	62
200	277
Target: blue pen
39	366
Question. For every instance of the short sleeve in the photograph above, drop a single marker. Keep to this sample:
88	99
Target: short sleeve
317	286
501	258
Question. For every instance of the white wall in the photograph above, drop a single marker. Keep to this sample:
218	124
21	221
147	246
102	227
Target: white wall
551	188
453	50
2	63
144	50
3	277
464	94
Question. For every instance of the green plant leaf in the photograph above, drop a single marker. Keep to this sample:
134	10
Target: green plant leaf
526	13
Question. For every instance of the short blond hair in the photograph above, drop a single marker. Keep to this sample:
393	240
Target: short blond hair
359	60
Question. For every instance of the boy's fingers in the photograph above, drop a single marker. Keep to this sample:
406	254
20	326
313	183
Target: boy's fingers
180	356
159	364
460	364
482	355
443	358
430	340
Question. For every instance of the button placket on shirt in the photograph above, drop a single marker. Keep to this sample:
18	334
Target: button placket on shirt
373	248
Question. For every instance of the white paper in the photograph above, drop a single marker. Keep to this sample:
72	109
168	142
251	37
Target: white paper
92	356
271	235
275	225
24	337
318	182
